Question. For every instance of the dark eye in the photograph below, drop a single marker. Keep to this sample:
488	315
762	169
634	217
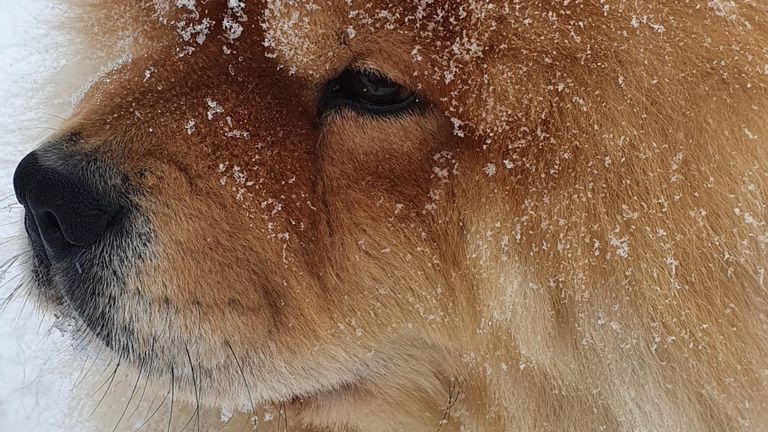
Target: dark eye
367	92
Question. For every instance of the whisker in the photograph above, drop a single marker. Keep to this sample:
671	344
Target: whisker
453	397
146	382
130	398
11	207
170	414
9	196
245	380
88	365
196	413
5	302
103	373
10	262
23	306
111	380
162	402
42	128
54	116
82	369
16	277
11	239
43	317
81	339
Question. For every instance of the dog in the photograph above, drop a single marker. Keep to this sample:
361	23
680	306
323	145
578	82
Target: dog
419	216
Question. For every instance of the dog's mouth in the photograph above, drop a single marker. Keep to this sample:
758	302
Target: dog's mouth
83	229
83	283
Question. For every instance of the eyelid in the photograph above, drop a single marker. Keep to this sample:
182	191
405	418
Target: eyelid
401	75
333	97
374	72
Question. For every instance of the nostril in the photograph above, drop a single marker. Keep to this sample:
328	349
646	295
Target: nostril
50	231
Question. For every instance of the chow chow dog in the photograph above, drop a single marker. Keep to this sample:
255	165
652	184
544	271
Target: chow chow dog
432	215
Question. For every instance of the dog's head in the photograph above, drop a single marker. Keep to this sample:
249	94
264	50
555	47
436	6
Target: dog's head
260	203
302	201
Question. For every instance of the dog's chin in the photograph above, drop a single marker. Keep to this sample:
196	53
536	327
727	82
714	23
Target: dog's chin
91	301
46	286
80	300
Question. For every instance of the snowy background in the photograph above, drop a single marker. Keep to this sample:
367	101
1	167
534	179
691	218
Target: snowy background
35	378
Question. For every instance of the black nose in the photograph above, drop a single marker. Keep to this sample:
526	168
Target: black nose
64	207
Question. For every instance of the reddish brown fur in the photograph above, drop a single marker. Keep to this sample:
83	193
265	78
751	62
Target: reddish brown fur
606	276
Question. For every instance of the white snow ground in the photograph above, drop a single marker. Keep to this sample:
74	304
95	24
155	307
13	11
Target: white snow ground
34	383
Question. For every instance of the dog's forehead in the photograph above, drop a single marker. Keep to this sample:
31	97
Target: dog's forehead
312	38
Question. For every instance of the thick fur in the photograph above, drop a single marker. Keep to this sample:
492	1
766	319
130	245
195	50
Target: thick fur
570	235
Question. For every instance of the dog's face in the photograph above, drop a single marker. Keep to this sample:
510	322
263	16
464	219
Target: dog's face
268	221
352	206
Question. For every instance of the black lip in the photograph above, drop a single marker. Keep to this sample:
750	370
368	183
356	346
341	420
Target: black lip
38	248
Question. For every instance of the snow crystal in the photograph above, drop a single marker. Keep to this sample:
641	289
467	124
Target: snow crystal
417	57
749	219
457	124
231	22
723	8
213	108
490	169
238	134
621	245
232	28
197	30
226	413
148	73
636	21
672	263
189	4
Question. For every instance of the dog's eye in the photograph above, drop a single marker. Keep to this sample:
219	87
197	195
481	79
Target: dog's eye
367	92
375	89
